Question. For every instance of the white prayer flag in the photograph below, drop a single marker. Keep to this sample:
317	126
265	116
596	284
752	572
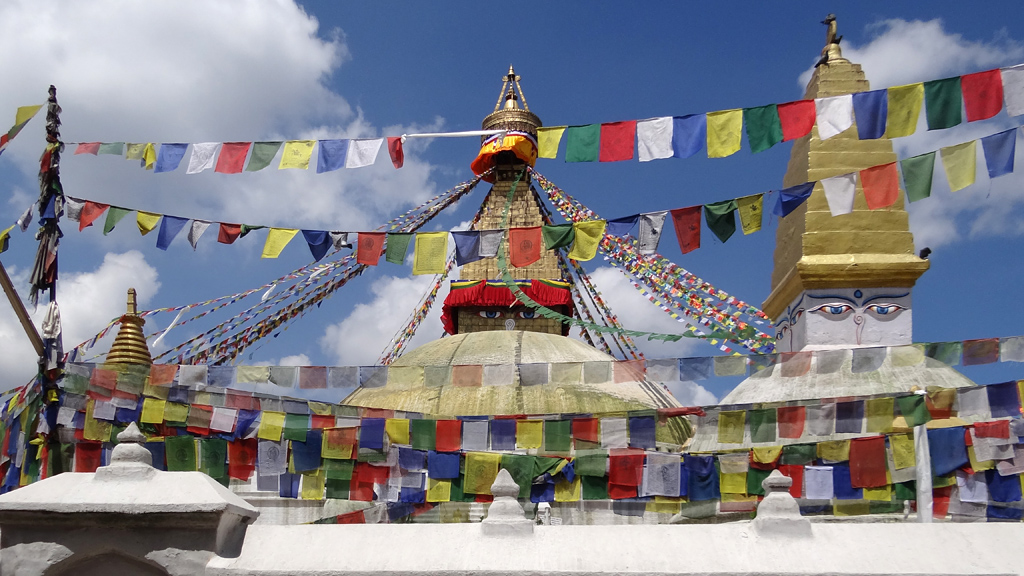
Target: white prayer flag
840	191
818	482
834	115
654	138
821	419
613	433
362	152
1013	89
972	403
192	376
340	240
66	416
223	419
661	475
736	463
273	457
202	158
73	208
103	410
474	435
991	448
499	375
489	242
196	231
652	224
972	487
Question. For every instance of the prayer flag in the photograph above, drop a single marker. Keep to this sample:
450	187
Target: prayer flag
868	462
340	240
21	117
397	247
146	221
983	94
560	236
331	155
617	141
917	175
725	132
687	225
196	231
430	253
467	247
481	470
818	483
362	152
730	426
296	154
948	450
262	155
490	240
168	159
762	425
524	245
689	134
213	454
547	141
202	157
277	239
654	138
621	227
397	430
960	163
791	198
369	247
396	151
750	208
181	453
424	434
529	433
871	110
583	143
840	191
91	148
833	115
228	233
797	119
136	151
114	215
914	410
942	101
652	224
242	458
721	218
791	421
879	415
232	157
999	151
319	243
764	128
115	148
588	237
1013	89
881	185
903	108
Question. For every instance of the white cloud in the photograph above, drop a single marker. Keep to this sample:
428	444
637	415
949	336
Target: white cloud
691	394
294	360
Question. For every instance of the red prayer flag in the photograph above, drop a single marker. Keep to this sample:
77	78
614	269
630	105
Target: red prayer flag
467	376
242	458
88	148
586	429
524	245
370	474
867	462
369	247
228	233
88	456
90	212
983	94
625	467
791	421
312	377
796	472
997	429
320	422
356	517
162	374
687	224
618	492
232	157
797	119
617	140
448	436
980	351
795	364
940	501
881	185
396	151
360	491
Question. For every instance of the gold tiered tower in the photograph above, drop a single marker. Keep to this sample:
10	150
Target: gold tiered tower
863	249
129	345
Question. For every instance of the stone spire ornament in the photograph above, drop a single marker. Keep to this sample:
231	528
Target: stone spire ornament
129	345
505	516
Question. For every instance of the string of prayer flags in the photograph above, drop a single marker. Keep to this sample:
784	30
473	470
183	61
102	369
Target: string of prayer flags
617	140
21	117
724	132
431	253
960	164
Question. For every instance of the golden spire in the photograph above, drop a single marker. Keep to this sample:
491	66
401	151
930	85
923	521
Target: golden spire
507	113
129	346
863	249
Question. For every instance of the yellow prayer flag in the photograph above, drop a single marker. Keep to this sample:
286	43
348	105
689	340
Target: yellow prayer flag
149	156
271	426
529	433
960	163
751	209
880	494
979	465
943	481
147	221
25	113
904	106
850	508
296	154
439	490
405	377
903	454
398	430
664	505
277	239
134	151
174	412
430	253
725	132
338	443
834	450
588	237
481	470
252	374
313	484
767	455
730	426
153	411
319	408
879	414
909	355
567	491
734	483
547	141
98	430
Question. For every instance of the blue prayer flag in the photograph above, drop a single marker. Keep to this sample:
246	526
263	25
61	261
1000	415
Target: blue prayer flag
948	449
410	495
543	491
306	455
999	151
684	479
319	242
169	156
503	434
1003	488
169	228
331	155
696	368
870	110
703	478
156	449
1004	513
621	227
443	465
689	134
1003	400
791	198
467	246
641	432
289	487
409	459
842	483
371	433
849	417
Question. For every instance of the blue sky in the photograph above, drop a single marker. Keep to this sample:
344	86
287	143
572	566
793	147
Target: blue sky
231	71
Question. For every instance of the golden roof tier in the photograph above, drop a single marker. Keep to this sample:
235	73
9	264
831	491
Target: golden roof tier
129	345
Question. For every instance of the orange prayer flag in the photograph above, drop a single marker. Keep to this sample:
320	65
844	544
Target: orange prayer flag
881	185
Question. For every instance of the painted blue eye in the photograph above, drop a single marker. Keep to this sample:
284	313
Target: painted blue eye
833	309
528	314
490	314
885	309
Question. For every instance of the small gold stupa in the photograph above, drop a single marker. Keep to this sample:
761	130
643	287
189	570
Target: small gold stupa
129	345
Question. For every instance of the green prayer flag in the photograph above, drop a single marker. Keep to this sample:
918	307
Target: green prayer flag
764	129
582	143
396	247
521	468
594	487
754	478
762	425
213	455
721	218
114	216
262	155
116	148
561	236
914	410
906	490
339	469
557	437
296	426
943	103
595	464
371	455
545	465
246	228
917	175
337	488
181	453
458	494
798	454
424	434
